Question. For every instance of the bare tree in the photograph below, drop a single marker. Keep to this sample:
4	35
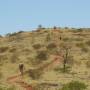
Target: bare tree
66	55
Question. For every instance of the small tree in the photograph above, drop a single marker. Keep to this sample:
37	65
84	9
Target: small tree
66	56
54	27
48	38
39	27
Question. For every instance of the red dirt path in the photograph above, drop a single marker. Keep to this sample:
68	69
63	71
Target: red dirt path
26	86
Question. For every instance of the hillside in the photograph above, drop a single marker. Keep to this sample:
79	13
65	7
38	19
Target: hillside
43	51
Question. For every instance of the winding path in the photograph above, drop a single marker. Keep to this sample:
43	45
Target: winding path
16	79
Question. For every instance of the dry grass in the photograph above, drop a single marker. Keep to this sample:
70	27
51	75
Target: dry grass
26	47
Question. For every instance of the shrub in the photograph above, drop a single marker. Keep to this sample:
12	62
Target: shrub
14	58
79	30
51	46
1	36
35	73
11	34
12	50
14	33
42	55
1	88
35	61
11	88
70	61
88	43
20	32
61	70
55	27
84	49
78	39
36	46
88	64
40	27
65	39
74	30
1	75
48	38
66	27
3	49
80	45
3	58
74	85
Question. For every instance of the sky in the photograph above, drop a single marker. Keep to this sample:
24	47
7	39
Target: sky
26	15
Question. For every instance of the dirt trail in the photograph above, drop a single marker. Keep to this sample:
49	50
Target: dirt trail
16	79
24	85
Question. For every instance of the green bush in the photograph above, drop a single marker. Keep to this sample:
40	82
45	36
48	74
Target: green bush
74	85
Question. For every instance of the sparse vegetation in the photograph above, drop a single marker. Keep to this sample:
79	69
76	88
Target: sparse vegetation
88	43
84	49
1	75
51	46
88	64
66	56
37	46
35	74
3	49
80	30
61	70
74	85
14	58
42	55
66	39
80	45
48	54
11	88
48	38
12	50
3	58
